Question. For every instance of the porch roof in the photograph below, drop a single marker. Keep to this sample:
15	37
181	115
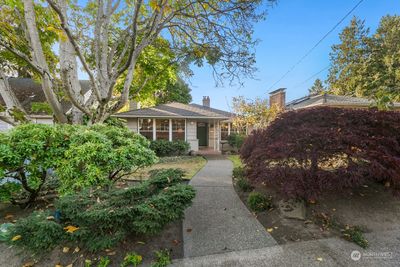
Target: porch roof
177	110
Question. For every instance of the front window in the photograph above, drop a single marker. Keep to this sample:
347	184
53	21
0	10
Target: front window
178	130
162	129
146	128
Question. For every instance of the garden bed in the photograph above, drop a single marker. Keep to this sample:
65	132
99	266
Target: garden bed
370	207
169	238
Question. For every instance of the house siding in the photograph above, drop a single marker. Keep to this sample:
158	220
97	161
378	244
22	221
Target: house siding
132	124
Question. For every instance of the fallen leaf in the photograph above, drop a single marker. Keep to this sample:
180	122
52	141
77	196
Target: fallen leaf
387	184
28	264
333	209
58	265
320	259
112	253
176	242
269	230
9	217
76	250
69	265
17	237
276	227
312	201
65	249
71	228
50	218
189	230
140	242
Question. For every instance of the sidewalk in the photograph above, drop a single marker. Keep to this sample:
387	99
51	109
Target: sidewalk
384	251
218	221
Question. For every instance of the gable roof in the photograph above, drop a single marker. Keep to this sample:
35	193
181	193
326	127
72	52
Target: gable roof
176	110
28	91
331	100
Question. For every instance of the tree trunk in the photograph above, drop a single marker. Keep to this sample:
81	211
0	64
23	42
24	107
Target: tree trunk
11	101
39	58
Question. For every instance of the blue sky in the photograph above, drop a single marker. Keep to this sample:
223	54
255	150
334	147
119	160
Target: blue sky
291	28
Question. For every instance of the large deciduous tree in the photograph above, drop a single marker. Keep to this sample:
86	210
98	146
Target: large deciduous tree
105	39
255	114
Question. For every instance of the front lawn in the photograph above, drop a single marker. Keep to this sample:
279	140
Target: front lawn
190	165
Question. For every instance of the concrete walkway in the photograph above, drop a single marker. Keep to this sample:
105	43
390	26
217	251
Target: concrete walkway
218	221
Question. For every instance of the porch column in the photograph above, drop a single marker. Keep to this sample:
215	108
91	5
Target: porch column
185	130
218	135
154	129
138	126
229	128
170	130
215	131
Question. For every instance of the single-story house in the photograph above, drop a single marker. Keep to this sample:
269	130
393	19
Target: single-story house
202	126
278	96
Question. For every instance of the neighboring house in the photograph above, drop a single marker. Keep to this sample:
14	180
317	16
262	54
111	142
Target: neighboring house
277	97
201	126
29	92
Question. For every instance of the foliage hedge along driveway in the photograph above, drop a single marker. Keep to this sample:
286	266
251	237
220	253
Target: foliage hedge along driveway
308	152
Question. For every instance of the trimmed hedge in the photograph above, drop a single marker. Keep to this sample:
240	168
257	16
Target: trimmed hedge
308	152
164	148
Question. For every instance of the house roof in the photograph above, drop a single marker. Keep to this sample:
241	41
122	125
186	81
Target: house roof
28	91
177	110
331	100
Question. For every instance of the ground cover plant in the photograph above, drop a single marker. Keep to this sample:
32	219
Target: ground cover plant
97	219
308	152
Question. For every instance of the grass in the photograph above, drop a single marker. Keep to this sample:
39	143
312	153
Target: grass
236	161
191	165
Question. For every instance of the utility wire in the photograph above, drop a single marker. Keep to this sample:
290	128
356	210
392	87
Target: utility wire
315	46
312	76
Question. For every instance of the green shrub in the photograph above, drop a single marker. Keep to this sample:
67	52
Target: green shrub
132	259
105	218
164	148
244	184
258	202
163	258
79	156
236	140
355	234
101	155
37	233
101	219
238	172
28	153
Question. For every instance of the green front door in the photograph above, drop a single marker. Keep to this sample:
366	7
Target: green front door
202	133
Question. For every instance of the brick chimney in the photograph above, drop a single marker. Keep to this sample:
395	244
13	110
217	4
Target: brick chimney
206	101
278	98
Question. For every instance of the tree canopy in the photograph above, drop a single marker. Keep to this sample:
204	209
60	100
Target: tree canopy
317	88
115	42
365	65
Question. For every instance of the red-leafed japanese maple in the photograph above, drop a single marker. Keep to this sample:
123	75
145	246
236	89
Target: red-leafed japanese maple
308	152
